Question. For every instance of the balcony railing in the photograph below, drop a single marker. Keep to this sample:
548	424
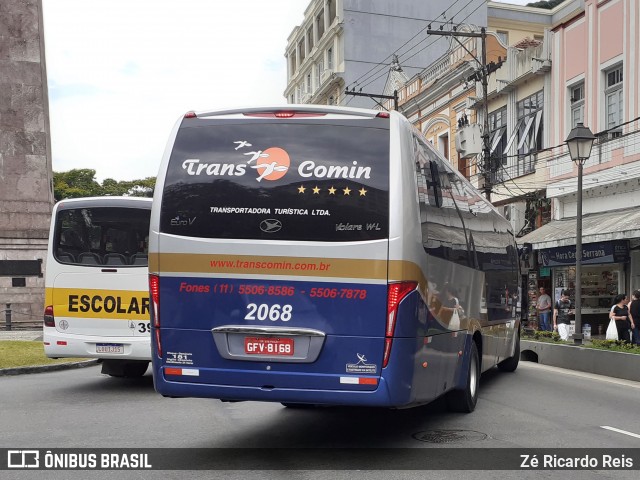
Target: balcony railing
436	70
526	164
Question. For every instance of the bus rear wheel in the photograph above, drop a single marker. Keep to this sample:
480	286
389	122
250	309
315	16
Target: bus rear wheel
125	368
464	400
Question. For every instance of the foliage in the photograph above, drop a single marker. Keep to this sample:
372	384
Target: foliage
553	337
82	183
546	335
21	353
550	4
615	345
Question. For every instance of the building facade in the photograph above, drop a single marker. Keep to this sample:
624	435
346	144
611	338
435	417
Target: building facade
438	100
26	194
577	62
449	90
594	80
349	44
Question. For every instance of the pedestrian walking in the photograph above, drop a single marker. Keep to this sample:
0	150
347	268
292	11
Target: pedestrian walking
634	316
561	315
543	306
620	313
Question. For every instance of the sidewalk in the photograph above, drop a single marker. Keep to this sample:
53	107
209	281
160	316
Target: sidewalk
30	335
34	336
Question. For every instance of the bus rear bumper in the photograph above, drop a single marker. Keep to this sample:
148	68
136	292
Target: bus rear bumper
380	397
57	345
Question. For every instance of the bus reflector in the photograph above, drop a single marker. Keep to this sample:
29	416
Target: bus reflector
395	294
62	342
49	320
190	115
190	372
154	288
359	380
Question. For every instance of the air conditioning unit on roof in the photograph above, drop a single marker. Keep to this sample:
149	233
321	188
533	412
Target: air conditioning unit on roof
469	140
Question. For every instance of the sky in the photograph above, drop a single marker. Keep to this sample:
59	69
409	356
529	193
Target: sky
122	72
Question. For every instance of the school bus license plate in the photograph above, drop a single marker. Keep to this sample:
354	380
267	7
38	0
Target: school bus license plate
268	346
109	348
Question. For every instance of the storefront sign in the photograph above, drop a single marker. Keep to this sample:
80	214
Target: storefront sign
545	272
592	253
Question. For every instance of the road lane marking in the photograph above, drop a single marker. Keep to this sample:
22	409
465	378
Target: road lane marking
620	431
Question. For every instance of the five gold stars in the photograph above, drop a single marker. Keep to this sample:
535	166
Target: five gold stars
332	190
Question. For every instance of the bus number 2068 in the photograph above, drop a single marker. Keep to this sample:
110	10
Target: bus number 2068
272	312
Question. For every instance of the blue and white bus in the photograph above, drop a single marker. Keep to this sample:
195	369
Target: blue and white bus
324	255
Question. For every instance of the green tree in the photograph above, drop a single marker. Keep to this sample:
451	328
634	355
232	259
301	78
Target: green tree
550	4
141	188
76	183
82	183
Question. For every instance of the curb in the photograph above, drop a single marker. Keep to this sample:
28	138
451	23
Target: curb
47	368
589	360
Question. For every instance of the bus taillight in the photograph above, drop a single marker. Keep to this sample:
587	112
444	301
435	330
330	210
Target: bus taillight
395	294
49	320
285	114
154	288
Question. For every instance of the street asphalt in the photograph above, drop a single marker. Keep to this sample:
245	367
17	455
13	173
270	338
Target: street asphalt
36	335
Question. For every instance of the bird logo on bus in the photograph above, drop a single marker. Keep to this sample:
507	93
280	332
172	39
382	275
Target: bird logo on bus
271	164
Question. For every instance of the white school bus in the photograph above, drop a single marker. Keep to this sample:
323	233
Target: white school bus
96	287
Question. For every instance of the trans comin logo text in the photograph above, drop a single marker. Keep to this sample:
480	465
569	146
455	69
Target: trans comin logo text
272	164
307	169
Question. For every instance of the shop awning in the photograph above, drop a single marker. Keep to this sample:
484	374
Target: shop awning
597	227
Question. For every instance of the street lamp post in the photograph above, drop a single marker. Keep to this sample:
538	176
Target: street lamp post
579	141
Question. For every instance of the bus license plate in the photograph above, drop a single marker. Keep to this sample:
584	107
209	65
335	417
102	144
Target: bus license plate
109	348
268	346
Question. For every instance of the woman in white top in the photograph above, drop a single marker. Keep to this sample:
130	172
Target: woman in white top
620	313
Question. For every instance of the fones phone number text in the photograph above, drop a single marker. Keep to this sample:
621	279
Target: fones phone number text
349	293
271	290
275	290
289	291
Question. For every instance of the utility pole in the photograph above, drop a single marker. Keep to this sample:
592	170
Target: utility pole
486	149
373	96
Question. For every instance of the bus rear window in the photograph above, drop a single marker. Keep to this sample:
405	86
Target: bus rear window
278	181
102	236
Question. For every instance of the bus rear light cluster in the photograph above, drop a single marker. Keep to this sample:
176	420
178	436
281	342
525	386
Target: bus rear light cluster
396	292
49	319
154	289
